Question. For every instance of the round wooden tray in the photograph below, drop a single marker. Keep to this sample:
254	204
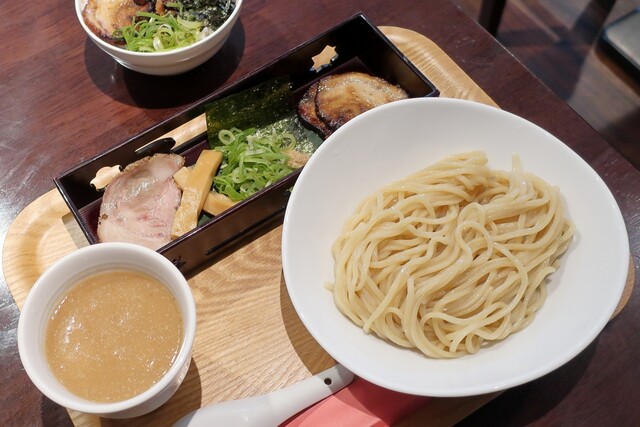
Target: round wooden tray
249	338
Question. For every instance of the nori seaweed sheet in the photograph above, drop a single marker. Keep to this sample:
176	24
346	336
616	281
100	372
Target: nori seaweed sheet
255	107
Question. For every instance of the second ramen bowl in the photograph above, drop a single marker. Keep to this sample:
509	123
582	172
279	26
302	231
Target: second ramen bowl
165	63
391	142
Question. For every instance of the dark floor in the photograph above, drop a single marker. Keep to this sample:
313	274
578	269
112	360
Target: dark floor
559	41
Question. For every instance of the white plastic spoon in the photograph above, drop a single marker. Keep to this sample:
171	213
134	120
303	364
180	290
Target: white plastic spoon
271	409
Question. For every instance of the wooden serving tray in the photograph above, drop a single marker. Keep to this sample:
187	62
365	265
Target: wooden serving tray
249	338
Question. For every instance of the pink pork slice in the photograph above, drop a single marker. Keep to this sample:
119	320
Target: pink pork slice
139	204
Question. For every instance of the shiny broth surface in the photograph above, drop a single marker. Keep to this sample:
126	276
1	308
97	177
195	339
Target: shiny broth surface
113	335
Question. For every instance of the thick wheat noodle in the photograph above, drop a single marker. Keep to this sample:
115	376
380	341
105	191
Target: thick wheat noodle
451	257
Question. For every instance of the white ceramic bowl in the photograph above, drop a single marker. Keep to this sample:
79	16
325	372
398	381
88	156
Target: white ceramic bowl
394	140
56	281
165	63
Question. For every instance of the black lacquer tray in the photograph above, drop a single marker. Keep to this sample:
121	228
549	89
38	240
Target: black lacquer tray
358	45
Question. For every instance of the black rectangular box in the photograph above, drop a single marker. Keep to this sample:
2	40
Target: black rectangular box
359	46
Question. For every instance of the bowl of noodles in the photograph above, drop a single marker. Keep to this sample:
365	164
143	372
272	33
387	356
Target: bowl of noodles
442	247
142	37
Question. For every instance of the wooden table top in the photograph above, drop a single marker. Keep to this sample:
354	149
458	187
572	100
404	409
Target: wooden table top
64	101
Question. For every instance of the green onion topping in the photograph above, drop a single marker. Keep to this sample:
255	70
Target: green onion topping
252	161
150	32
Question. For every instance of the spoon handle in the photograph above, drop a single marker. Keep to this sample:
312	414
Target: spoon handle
293	399
271	409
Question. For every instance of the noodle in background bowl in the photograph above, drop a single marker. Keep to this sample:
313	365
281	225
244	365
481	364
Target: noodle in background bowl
391	142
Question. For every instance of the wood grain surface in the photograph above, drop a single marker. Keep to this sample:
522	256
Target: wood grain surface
65	101
249	338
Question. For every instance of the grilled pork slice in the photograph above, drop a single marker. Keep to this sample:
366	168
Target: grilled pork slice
307	110
341	97
138	205
103	17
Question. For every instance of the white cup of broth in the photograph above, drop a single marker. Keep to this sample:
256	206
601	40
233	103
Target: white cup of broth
108	330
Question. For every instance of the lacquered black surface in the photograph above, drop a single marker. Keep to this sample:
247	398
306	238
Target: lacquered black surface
358	44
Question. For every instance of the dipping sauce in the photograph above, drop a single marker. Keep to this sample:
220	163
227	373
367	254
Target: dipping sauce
113	335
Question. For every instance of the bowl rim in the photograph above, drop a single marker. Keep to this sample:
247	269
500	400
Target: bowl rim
29	319
117	50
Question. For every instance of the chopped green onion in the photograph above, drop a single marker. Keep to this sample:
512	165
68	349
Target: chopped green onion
251	161
150	32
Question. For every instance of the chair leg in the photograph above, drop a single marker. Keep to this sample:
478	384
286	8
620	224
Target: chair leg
490	14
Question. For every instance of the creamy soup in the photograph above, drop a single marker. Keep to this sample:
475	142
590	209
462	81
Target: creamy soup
113	335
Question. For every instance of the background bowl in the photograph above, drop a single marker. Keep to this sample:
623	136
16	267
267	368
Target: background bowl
394	140
170	62
56	281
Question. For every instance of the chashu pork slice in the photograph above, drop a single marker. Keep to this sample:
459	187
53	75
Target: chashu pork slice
139	204
307	109
103	17
341	97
